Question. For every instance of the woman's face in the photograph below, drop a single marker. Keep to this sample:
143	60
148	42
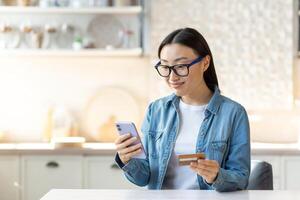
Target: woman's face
173	54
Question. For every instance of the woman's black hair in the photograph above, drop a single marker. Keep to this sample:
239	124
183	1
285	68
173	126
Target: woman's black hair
193	39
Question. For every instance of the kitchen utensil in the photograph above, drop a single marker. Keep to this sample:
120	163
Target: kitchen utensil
44	3
27	2
109	105
79	3
62	122
62	3
118	3
106	30
66	36
52	32
35	37
127	41
65	142
9	2
48	125
98	3
9	36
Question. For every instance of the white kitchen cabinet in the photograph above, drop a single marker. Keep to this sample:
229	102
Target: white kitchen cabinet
9	177
101	172
42	173
291	174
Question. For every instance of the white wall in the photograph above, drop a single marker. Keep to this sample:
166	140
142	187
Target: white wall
29	85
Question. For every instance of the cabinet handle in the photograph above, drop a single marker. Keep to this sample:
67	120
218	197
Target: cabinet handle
114	166
52	164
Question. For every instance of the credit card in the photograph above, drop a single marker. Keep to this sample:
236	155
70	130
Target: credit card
186	159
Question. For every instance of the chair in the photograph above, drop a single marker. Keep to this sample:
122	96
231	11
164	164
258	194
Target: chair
261	176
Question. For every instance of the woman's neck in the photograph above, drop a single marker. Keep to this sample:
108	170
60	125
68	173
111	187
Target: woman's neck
199	96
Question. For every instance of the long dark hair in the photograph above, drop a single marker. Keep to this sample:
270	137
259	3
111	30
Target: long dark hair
192	38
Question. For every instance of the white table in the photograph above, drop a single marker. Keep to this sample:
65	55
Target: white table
71	194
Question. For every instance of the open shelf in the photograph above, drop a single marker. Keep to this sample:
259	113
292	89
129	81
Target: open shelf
69	10
84	52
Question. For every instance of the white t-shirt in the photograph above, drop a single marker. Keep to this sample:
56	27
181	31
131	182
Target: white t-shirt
182	177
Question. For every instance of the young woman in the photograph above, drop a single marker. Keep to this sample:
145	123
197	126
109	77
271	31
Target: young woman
196	118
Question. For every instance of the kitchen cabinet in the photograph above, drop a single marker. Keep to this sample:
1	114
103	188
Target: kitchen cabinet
102	173
291	174
9	177
121	26
30	176
42	173
286	174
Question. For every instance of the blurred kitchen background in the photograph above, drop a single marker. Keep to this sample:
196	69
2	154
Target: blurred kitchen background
70	68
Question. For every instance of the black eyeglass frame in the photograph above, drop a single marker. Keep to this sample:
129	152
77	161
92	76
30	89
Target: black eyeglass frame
172	68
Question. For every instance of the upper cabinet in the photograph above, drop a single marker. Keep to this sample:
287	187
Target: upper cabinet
72	27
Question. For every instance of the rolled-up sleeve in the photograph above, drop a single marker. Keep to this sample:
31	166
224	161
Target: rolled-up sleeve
235	174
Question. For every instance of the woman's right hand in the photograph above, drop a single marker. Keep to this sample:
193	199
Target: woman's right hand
124	148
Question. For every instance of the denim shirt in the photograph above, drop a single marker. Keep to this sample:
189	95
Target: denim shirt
223	136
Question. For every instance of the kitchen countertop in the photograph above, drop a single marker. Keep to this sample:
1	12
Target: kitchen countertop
109	149
275	149
80	194
48	148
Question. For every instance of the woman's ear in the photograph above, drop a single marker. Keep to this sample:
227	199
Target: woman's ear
206	62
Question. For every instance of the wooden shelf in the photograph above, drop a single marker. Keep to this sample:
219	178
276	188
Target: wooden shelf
85	52
69	10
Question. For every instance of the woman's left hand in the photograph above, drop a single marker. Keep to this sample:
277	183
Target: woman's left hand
208	169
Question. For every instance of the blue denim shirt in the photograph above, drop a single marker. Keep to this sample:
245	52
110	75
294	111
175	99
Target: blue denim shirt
223	136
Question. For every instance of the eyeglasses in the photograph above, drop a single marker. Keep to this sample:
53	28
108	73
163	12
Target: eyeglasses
179	69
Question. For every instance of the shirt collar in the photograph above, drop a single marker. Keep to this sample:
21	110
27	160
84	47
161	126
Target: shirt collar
213	104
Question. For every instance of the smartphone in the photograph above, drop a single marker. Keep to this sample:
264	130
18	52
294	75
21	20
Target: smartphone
129	127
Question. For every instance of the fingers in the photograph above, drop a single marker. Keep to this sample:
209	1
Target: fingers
130	149
126	157
130	155
210	165
202	172
209	176
208	169
125	143
201	169
122	138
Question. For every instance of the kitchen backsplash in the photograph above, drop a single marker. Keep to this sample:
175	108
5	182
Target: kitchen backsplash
29	85
251	41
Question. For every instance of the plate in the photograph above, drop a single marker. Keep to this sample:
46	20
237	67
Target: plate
106	31
109	105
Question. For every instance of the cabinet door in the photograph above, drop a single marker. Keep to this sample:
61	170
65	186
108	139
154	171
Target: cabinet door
102	173
9	177
42	173
291	165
